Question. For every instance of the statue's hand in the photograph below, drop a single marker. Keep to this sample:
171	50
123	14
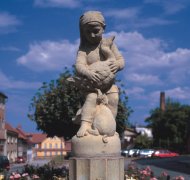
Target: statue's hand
112	63
94	76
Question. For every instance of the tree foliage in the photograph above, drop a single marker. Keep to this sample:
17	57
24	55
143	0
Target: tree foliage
56	103
143	142
170	127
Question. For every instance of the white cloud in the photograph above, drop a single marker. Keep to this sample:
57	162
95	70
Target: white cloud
153	21
8	23
143	79
10	48
147	62
57	3
123	13
181	93
10	83
170	7
133	18
177	94
7	20
136	92
148	56
49	55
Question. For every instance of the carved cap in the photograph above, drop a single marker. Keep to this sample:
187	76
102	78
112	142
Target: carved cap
92	16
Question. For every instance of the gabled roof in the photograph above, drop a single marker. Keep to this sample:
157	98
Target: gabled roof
21	133
9	128
37	138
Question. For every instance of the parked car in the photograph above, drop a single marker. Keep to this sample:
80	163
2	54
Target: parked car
132	152
136	153
124	152
164	153
146	152
4	162
20	159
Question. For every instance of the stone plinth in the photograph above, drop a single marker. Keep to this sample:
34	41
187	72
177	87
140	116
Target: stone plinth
93	146
96	168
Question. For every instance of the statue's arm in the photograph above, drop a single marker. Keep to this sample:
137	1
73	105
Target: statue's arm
118	56
81	64
82	67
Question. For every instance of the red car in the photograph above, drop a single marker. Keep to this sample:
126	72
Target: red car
164	153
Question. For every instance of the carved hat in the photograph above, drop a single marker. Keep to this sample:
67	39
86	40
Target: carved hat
92	16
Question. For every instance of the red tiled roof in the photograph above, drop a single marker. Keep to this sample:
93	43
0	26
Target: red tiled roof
21	133
37	138
8	127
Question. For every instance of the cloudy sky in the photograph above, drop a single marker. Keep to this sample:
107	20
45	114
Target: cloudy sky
40	37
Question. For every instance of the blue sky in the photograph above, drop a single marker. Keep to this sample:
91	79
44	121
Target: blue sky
40	37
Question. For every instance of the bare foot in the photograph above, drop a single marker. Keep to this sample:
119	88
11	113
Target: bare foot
83	129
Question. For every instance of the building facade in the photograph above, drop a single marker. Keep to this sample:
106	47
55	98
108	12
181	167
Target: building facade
11	142
48	147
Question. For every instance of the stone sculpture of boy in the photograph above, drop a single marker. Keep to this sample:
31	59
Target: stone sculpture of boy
92	26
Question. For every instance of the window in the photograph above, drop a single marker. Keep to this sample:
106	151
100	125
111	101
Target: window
56	145
50	145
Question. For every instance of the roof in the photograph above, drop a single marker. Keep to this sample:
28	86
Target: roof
37	138
9	128
2	94
130	132
21	133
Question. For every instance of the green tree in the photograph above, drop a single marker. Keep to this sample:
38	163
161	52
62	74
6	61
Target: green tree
56	103
143	141
170	127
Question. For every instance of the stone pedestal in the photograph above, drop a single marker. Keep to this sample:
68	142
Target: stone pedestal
93	146
96	168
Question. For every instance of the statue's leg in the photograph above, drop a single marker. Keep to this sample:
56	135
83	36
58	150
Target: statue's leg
113	99
87	114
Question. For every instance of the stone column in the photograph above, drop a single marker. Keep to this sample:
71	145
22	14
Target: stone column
97	168
94	160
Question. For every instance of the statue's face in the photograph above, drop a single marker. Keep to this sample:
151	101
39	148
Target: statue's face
93	32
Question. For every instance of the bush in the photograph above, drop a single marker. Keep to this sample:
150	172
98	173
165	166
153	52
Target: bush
134	173
46	172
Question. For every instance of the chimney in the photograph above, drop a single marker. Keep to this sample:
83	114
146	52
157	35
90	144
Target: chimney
162	101
3	98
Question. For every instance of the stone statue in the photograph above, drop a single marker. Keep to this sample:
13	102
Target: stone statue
98	61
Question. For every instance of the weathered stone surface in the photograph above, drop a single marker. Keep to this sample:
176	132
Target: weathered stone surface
96	146
104	168
92	146
98	60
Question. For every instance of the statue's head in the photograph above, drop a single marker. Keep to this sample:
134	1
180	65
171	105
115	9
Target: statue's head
92	25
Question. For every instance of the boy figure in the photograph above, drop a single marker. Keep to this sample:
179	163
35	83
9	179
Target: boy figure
92	26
